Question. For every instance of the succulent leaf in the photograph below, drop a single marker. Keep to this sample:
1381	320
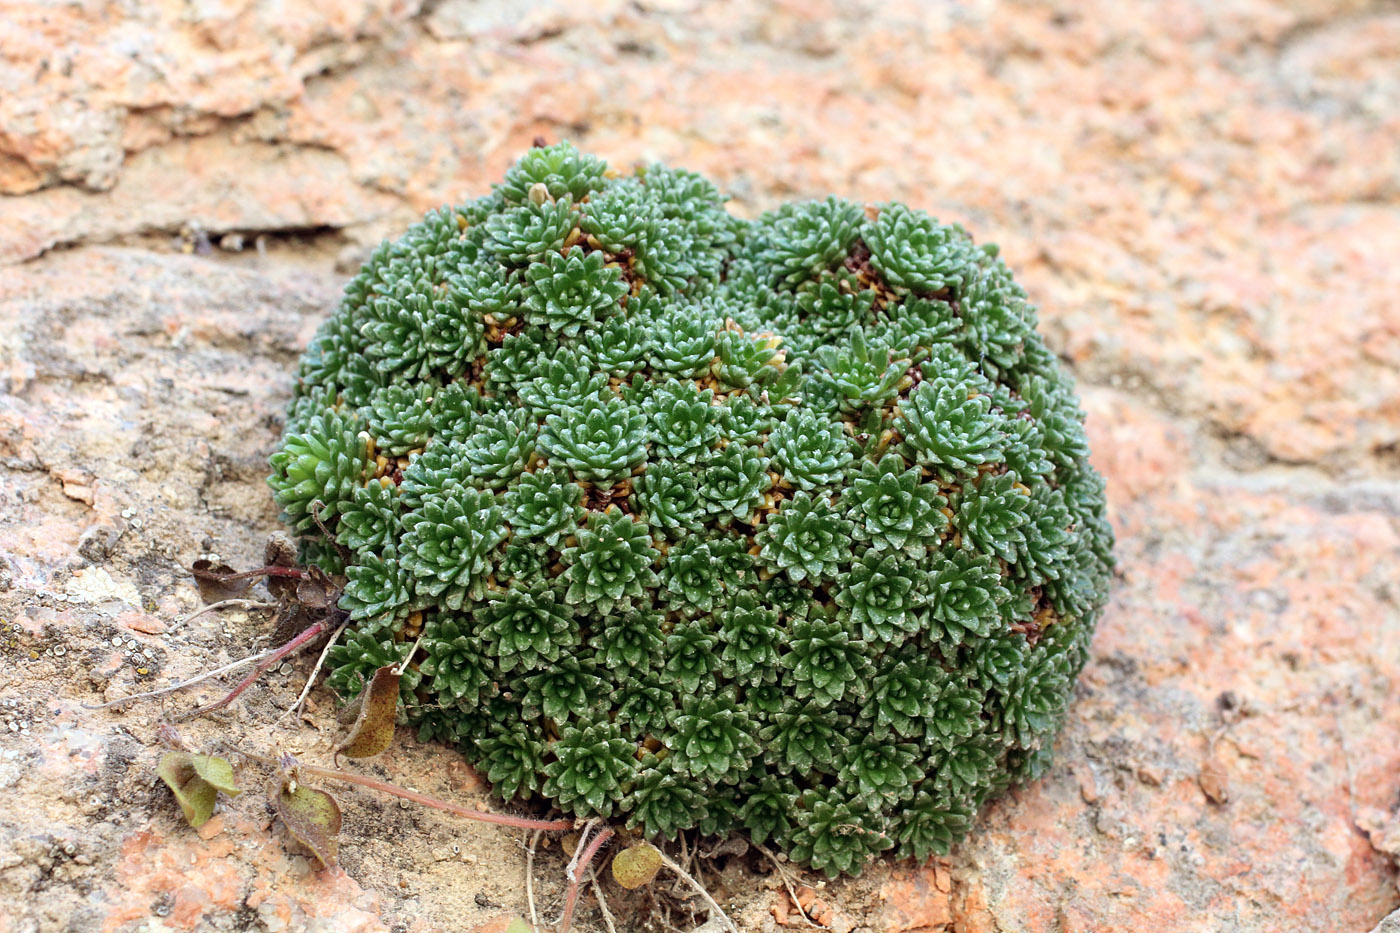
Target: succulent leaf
807	538
836	837
599	441
915	252
592	763
571	291
611	562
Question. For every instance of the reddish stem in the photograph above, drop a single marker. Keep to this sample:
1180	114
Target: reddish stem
576	876
502	819
311	633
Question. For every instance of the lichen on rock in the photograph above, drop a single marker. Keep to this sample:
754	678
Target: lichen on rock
782	525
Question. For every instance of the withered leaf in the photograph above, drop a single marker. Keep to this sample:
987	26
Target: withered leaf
290	621
636	865
218	582
517	925
374	726
312	816
196	781
312	594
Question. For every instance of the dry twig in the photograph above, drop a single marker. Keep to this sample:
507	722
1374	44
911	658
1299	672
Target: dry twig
231	604
715	910
500	819
602	902
582	857
530	877
310	634
198	679
311	681
787	883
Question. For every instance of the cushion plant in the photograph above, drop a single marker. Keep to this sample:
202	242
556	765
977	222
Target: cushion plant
685	521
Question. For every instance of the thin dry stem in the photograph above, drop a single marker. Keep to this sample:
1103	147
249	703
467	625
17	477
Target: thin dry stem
231	604
198	679
530	878
311	633
602	901
311	681
715	910
408	657
579	847
787	883
271	570
500	819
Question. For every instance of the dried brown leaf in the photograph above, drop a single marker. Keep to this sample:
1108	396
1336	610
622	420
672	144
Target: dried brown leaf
218	582
312	816
374	725
311	594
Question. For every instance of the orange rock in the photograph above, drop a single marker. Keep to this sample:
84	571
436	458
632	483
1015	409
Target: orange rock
1198	197
916	899
212	827
971	913
1213	780
142	622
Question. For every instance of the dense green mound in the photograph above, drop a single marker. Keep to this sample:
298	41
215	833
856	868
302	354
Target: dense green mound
783	525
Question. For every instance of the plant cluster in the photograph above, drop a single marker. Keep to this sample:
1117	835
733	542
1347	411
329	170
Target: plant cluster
783	525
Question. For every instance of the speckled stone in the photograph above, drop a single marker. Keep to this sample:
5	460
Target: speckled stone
1201	198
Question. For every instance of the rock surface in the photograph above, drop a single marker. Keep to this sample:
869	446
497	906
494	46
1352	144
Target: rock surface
1203	198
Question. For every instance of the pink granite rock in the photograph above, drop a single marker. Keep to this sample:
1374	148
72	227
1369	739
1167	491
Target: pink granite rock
1200	197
